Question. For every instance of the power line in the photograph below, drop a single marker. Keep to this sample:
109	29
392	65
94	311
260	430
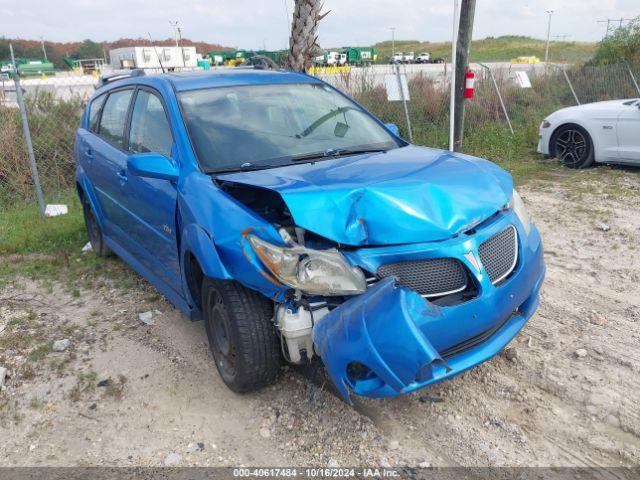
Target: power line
610	21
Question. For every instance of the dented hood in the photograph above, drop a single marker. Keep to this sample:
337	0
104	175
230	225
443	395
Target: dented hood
406	195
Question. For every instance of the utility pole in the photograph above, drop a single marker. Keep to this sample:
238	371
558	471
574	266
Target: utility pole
176	26
44	50
393	41
452	95
465	32
546	52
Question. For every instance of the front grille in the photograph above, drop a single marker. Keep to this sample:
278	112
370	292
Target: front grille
473	341
430	278
499	254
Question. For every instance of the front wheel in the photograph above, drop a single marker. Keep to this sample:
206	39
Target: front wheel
573	145
241	334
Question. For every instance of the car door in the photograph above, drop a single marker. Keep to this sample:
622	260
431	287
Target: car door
86	144
104	159
151	203
629	133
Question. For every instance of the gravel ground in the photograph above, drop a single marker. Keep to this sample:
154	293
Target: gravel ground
565	393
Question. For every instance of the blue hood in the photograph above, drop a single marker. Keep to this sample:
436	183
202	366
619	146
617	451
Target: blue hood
406	195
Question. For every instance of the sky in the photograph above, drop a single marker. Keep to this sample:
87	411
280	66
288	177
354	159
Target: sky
254	24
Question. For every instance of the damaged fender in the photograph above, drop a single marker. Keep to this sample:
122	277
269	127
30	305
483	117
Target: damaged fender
360	330
215	236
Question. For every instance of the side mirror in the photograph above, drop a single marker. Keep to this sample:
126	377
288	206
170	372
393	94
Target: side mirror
393	128
152	165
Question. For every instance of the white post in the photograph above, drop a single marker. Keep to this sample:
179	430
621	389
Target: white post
393	41
546	51
454	52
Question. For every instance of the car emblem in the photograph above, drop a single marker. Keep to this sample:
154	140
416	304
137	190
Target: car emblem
470	256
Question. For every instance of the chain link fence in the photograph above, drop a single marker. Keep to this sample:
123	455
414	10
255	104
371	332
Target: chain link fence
54	106
53	109
499	99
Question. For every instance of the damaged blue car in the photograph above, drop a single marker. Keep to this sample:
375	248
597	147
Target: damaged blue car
302	229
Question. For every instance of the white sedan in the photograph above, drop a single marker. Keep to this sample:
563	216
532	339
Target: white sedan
604	132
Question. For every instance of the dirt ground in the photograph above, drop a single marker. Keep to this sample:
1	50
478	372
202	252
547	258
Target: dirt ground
125	393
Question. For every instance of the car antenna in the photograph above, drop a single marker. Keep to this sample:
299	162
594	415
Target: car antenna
157	54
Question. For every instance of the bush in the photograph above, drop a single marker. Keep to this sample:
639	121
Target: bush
622	44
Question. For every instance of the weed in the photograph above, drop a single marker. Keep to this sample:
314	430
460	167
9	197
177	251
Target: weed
58	365
28	372
114	389
39	352
36	403
85	382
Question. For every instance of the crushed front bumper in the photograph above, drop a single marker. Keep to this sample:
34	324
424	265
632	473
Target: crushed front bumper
381	343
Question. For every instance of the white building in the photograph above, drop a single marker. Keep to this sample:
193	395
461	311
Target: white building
150	57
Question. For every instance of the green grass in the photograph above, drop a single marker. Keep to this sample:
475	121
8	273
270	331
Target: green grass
45	249
40	352
500	49
23	231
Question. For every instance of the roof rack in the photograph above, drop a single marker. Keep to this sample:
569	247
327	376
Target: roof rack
119	75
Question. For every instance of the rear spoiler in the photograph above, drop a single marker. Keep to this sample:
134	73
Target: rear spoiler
119	75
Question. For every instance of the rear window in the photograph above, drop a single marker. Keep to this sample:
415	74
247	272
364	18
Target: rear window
114	116
94	112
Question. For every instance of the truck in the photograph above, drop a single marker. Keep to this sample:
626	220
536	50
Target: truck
424	57
402	57
331	58
408	57
359	55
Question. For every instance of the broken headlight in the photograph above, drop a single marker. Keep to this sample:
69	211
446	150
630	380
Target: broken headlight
315	272
520	210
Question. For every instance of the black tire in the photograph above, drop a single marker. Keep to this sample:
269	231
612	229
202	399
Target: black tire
241	334
94	232
573	145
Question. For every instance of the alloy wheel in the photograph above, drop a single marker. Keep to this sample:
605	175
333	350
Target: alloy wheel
572	147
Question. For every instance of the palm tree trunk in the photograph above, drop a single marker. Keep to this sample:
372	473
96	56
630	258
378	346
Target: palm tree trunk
306	17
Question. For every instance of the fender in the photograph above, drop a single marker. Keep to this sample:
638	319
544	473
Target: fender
217	241
196	240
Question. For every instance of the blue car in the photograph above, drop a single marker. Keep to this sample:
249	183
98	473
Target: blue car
302	229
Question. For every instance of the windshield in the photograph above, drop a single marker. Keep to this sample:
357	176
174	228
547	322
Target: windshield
276	124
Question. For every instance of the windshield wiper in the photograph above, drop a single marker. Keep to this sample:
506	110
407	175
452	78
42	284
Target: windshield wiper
337	152
329	153
245	167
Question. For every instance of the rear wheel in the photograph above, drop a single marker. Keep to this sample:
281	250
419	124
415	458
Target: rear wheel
573	145
94	232
241	335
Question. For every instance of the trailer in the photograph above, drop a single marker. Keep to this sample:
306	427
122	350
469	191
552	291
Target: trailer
152	57
29	67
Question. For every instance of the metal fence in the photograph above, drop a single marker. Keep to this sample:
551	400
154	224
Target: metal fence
53	107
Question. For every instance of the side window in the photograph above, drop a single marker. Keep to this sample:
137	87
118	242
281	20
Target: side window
114	116
94	112
150	130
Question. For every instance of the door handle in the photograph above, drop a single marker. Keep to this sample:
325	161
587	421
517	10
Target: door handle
89	154
122	175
